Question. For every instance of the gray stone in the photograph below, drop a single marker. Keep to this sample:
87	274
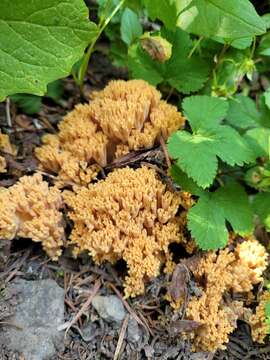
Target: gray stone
133	331
110	308
37	315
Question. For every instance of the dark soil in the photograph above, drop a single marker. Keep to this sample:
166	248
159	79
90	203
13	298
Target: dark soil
26	260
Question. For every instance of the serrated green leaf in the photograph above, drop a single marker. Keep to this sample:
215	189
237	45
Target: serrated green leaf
142	66
207	224
226	19
184	181
204	111
234	201
39	42
243	112
183	73
207	219
130	28
226	138
164	10
259	140
197	153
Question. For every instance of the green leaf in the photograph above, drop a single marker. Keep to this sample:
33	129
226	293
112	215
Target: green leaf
228	19
264	46
40	41
267	98
261	207
259	141
143	67
196	154
240	44
184	181
235	204
55	90
207	224
164	10
266	19
207	219
264	111
267	316
243	112
204	110
29	104
131	28
181	72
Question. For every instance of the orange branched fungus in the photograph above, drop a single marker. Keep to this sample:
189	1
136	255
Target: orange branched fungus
3	164
251	261
125	116
260	328
6	146
218	274
30	209
129	215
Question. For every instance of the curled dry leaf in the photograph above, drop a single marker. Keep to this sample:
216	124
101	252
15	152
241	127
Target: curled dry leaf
157	47
179	326
178	286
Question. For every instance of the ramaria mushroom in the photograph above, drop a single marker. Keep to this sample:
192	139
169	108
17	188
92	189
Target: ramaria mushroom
125	116
130	215
31	209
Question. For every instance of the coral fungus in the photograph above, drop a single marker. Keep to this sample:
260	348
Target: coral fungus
218	274
129	215
251	261
6	146
125	116
30	209
260	328
3	164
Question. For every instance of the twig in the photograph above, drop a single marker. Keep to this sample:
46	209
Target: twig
197	43
165	150
70	304
9	122
121	338
131	311
83	309
6	323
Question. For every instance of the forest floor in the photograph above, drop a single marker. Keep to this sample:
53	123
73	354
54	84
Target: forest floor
91	337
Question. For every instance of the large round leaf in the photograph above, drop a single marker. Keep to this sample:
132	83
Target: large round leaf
40	41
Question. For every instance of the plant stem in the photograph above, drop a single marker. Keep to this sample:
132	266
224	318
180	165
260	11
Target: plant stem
101	27
197	43
253	48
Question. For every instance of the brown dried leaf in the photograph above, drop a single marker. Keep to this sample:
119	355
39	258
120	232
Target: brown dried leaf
179	326
178	285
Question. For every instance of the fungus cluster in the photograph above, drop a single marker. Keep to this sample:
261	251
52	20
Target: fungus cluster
31	209
219	275
260	328
125	116
130	215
